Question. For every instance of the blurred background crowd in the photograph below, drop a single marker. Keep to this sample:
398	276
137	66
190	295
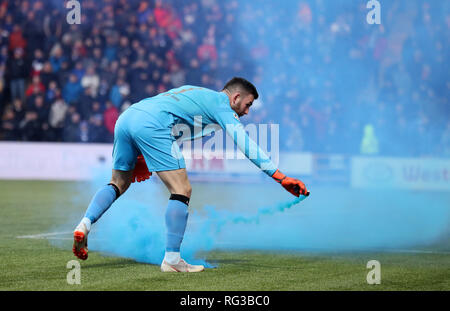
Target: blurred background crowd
333	83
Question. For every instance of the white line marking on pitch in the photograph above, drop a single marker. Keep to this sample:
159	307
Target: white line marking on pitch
48	236
42	235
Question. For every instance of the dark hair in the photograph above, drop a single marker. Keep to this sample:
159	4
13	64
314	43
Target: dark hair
242	83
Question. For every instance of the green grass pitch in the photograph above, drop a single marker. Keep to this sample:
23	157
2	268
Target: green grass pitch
28	208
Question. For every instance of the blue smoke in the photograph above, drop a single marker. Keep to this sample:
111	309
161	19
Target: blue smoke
134	226
266	217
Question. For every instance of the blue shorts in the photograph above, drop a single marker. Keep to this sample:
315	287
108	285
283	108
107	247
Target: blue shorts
147	133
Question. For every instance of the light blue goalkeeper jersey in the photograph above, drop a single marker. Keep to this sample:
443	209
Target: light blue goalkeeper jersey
200	107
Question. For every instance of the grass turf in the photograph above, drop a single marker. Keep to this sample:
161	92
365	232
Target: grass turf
35	264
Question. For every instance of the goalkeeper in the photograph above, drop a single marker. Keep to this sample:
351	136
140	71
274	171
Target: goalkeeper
144	143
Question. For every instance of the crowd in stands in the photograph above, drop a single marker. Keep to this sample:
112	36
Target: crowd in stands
63	82
325	76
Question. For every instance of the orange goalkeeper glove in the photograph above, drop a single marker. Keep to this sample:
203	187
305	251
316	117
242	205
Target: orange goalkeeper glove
294	186
140	172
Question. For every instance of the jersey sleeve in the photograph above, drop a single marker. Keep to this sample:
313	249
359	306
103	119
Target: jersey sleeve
230	123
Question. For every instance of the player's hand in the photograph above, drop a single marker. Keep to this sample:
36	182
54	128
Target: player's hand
140	172
294	186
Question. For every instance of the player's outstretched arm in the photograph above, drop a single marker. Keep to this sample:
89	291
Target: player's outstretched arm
294	186
253	152
140	172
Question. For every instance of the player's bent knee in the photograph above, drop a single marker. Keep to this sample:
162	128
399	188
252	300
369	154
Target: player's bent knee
120	187
121	179
116	189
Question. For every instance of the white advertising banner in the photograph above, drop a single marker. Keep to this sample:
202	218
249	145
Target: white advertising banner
77	161
52	161
404	173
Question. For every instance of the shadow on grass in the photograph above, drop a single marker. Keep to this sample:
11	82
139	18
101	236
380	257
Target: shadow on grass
114	263
227	261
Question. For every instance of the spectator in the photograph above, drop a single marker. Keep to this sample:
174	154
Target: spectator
84	132
110	51
52	92
17	74
85	103
56	119
52	26
16	39
96	128
119	92
57	57
207	51
9	22
19	111
36	87
29	126
79	50
72	90
9	125
72	129
166	19
110	117
42	111
38	62
79	70
124	49
98	59
177	76
91	80
47	74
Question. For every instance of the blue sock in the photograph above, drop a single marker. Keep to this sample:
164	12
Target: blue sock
176	220
100	203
